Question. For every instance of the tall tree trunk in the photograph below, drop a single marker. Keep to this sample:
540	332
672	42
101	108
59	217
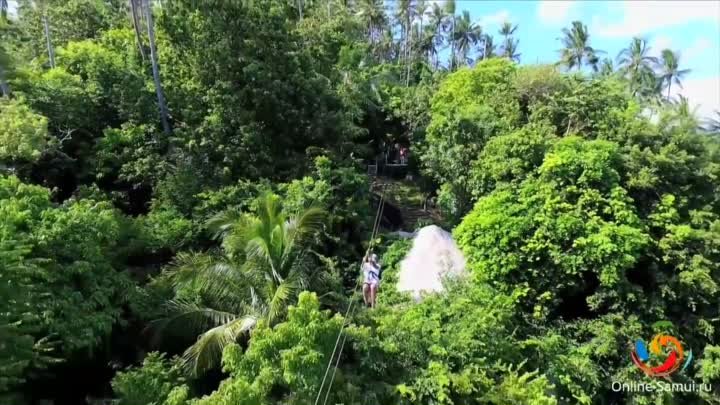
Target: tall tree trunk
669	85
408	52
408	56
46	27
4	87
452	45
136	27
156	68
300	8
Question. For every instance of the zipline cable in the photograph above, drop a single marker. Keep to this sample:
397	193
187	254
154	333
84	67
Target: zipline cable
342	345
376	226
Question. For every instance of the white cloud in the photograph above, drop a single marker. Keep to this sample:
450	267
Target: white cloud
494	19
555	12
703	93
698	48
641	17
661	42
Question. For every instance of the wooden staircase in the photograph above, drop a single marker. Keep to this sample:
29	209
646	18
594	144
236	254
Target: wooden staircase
410	206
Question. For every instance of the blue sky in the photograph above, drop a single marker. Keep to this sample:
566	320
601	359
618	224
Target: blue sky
690	27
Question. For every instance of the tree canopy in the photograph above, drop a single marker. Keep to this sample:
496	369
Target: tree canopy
187	189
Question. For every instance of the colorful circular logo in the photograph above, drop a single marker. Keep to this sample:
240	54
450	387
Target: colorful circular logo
661	346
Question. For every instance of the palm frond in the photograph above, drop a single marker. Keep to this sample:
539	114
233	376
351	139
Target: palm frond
299	229
260	252
212	276
245	229
187	319
193	316
206	352
223	222
284	294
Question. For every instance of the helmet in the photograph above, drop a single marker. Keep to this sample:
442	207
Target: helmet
373	257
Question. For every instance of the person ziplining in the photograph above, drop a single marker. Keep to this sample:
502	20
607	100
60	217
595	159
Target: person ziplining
371	279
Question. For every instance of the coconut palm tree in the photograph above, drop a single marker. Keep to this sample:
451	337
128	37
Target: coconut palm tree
437	21
437	17
607	68
683	113
388	49
404	15
5	69
136	27
372	11
467	35
427	44
264	265
421	9
509	48
156	69
669	69
712	125
487	47
42	5
450	9
576	47
636	64
507	29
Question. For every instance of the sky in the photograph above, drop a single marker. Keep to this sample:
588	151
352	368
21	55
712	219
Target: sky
690	27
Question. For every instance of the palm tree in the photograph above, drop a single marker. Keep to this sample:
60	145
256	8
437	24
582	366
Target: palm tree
488	47
437	21
406	14
507	29
421	8
264	266
5	66
669	69
403	16
683	112
300	4
713	124
450	9
467	35
606	67
372	11
428	45
437	16
509	48
43	6
156	69
136	27
576	47
636	64
388	49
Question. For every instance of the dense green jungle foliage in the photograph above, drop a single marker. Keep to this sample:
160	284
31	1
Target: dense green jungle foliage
184	203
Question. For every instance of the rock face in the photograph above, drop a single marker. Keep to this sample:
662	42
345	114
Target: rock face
433	256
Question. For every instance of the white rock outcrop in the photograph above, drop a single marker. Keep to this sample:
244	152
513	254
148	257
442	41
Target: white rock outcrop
433	257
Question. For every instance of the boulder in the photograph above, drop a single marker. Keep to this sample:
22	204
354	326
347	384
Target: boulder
434	256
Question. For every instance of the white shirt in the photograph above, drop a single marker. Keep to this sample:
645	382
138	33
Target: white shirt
371	272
